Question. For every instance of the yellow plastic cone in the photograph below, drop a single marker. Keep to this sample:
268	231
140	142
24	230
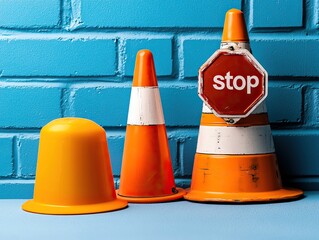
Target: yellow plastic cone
74	174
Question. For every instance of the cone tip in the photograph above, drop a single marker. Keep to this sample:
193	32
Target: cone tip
234	11
72	125
144	73
144	52
235	27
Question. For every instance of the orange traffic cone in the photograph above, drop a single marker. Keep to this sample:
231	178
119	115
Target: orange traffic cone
147	174
74	174
236	162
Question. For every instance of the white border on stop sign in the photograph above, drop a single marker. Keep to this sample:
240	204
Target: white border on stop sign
254	62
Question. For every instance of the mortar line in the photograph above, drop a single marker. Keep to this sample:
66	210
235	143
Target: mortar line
15	156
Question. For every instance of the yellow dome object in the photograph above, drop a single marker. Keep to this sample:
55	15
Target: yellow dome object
74	174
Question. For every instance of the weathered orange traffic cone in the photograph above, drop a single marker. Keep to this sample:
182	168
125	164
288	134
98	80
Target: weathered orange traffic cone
147	173
236	162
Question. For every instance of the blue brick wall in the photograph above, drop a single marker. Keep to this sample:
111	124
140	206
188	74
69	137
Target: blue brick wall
27	148
284	13
6	156
156	13
26	106
30	14
161	49
64	58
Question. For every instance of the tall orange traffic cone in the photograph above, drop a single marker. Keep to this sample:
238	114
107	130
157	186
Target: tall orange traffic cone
236	162
147	173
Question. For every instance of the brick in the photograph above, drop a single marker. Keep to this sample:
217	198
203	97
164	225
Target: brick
162	52
307	183
116	182
6	156
297	152
288	57
188	153
16	189
28	107
183	183
116	145
312	107
181	106
29	14
172	143
54	57
27	156
110	105
196	52
289	110
277	13
157	13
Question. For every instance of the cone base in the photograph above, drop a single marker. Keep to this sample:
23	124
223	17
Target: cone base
181	192
241	197
35	207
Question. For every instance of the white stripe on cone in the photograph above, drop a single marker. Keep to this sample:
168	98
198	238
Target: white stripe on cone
235	140
145	107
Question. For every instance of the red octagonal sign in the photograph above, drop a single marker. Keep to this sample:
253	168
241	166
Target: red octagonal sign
232	83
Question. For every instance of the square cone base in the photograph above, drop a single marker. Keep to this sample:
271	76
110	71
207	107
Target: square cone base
242	197
168	198
35	207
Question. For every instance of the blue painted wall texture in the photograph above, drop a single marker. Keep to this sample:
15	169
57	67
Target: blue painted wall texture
64	58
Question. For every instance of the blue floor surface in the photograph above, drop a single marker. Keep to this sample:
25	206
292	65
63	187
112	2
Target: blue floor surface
175	220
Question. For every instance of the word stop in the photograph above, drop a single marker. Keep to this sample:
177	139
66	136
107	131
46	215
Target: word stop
235	83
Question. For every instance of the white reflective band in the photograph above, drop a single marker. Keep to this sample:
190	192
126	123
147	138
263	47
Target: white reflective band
145	107
235	140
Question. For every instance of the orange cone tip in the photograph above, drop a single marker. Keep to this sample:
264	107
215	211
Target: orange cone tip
144	73
235	27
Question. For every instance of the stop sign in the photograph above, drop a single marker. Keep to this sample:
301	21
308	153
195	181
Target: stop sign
232	83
